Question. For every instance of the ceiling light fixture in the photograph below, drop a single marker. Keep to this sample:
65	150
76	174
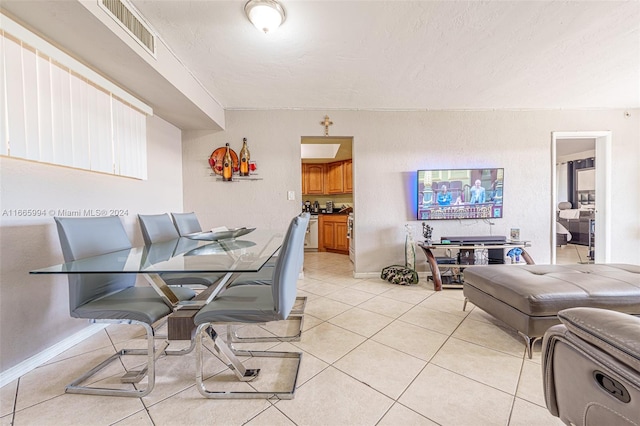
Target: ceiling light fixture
265	15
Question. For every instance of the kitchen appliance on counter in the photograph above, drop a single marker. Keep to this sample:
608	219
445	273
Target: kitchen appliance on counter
316	207
329	206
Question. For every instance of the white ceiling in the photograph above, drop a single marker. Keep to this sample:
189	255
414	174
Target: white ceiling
410	54
566	147
370	55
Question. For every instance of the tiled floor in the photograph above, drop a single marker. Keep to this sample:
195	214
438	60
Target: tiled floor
572	253
374	354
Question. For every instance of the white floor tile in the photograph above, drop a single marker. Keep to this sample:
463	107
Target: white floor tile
401	415
381	367
448	398
329	342
374	353
334	398
487	366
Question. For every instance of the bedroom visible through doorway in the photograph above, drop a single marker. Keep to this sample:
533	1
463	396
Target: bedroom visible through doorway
580	197
575	188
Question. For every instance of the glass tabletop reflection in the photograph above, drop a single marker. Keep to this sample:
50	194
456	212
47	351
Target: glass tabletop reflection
245	254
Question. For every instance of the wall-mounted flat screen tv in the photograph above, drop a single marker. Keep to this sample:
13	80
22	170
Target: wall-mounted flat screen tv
460	194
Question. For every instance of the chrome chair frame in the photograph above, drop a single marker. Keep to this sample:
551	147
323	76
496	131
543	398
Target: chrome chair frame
281	297
131	376
94	297
229	356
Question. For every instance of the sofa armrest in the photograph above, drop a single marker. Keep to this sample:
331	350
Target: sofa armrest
615	333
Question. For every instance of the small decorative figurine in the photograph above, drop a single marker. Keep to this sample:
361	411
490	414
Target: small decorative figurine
426	232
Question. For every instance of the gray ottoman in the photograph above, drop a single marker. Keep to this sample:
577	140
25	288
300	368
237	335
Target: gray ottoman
528	297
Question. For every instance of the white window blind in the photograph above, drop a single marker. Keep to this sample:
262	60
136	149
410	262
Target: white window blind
55	112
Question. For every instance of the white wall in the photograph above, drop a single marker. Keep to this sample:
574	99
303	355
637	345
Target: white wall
37	306
388	147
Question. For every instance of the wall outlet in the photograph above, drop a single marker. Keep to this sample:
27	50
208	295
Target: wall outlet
291	195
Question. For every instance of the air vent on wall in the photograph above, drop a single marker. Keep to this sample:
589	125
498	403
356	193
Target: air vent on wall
130	22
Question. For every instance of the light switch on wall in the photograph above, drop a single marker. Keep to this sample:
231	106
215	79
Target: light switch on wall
291	195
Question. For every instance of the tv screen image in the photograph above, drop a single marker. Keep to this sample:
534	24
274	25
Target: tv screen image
460	194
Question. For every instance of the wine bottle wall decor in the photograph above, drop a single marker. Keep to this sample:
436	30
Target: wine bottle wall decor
245	156
226	163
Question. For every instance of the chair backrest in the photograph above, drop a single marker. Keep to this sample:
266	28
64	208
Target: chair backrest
186	223
157	228
285	275
86	237
591	367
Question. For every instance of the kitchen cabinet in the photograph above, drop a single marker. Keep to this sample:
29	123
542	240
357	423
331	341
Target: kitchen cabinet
348	176
333	233
329	178
334	178
313	178
339	177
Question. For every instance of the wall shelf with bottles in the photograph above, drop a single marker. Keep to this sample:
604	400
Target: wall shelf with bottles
236	178
227	166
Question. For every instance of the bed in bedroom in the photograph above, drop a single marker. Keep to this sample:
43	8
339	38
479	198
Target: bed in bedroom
573	225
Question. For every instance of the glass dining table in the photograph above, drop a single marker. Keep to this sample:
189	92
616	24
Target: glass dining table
186	255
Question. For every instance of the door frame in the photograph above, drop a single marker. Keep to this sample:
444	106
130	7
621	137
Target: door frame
603	141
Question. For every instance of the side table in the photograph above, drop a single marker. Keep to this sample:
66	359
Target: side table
435	267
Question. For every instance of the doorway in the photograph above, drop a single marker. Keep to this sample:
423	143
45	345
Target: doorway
328	192
591	224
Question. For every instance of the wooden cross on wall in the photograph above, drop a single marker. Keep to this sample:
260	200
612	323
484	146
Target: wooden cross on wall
326	123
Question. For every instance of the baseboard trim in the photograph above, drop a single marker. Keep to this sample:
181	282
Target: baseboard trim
366	275
37	360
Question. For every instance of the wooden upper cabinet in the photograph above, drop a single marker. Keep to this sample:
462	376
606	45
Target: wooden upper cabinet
313	178
348	176
334	178
330	178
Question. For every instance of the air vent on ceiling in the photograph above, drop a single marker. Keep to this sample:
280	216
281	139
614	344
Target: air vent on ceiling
126	16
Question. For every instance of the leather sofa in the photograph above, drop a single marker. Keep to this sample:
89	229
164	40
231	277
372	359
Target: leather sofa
591	368
529	297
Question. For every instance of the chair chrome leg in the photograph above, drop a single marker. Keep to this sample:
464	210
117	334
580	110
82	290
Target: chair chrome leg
131	376
233	337
227	355
298	308
464	304
185	351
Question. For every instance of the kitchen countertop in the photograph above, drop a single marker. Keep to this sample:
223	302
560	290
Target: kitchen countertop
335	213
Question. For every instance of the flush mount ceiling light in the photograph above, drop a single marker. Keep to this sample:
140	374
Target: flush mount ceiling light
265	15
